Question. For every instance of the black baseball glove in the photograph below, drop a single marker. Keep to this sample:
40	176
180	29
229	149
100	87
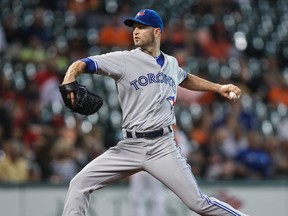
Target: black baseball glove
86	102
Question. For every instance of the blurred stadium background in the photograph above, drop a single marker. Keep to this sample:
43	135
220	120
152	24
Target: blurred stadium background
241	144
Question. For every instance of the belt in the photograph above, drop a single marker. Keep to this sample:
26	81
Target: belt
150	134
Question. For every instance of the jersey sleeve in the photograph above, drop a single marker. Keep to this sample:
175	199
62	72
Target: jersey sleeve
111	64
182	74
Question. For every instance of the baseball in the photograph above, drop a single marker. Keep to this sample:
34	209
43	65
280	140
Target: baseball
232	95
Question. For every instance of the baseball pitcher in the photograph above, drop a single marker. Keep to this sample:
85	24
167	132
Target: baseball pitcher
146	80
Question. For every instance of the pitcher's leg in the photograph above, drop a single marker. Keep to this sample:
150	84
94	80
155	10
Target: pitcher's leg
158	196
137	195
175	173
109	167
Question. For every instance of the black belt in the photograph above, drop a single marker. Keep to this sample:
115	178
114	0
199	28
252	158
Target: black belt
148	135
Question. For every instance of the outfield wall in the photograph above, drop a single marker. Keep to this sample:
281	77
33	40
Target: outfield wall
257	199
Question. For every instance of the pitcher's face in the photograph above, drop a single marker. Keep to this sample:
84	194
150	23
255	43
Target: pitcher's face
143	35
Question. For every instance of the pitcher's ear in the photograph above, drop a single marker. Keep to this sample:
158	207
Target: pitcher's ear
157	31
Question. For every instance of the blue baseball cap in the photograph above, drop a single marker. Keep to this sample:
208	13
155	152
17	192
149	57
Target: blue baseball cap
146	17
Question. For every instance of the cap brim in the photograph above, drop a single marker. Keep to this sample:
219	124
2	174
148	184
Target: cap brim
130	22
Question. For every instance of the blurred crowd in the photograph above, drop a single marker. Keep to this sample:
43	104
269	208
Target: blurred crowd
243	42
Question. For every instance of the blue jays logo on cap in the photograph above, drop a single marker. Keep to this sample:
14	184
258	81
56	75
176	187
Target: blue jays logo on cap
140	13
146	17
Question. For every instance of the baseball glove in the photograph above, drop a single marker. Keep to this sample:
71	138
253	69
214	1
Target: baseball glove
86	102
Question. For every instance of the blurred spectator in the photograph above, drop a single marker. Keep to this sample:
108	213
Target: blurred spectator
183	141
281	160
197	160
219	168
278	94
89	146
48	82
173	36
273	147
13	32
282	128
81	7
201	130
235	142
254	162
14	167
63	164
235	139
115	34
34	52
215	42
37	29
42	146
214	167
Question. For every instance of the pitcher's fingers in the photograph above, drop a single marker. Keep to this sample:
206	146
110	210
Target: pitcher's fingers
72	98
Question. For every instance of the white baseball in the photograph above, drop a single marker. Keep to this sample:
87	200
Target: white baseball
232	95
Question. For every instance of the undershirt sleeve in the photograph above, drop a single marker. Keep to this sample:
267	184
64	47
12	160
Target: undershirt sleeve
91	66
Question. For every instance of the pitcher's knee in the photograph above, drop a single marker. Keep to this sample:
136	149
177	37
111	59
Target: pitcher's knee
84	184
76	182
73	181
